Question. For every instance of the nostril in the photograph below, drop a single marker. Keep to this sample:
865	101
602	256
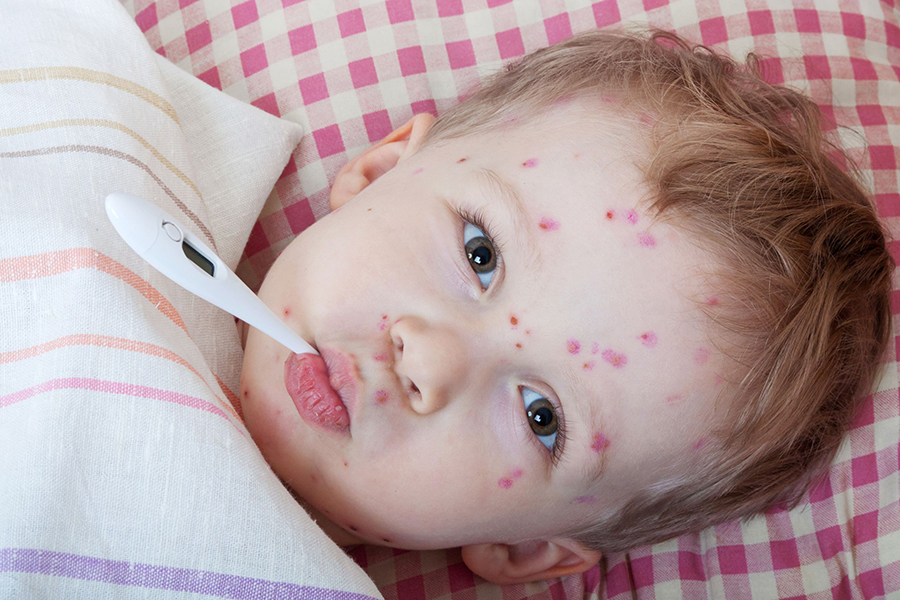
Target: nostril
413	388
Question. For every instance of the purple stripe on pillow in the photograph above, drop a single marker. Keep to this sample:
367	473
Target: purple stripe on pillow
76	566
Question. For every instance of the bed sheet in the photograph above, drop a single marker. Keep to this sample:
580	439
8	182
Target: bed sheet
350	71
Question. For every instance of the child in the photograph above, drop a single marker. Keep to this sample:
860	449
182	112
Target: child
618	294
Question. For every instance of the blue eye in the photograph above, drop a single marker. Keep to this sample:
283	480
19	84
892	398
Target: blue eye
481	253
541	418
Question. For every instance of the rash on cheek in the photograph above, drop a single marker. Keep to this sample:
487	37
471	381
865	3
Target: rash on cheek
646	240
701	355
648	339
512	477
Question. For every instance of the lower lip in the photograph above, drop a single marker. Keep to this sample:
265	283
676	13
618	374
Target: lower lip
307	382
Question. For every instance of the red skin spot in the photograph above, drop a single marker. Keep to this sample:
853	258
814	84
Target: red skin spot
462	160
632	216
701	355
699	443
381	397
506	482
417	171
600	442
674	399
614	358
610	214
381	357
518	345
246	393
383	324
589	366
648	119
646	240
314	478
513	321
345	464
548	224
530	163
287	312
595	348
527	332
648	339
573	346
585	500
353	527
713	301
607	98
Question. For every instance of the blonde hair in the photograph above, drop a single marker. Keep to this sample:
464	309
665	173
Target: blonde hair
803	264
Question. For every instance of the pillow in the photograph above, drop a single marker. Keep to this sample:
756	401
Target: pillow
351	72
125	470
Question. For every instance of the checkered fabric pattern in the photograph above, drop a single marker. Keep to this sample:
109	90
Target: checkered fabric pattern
351	71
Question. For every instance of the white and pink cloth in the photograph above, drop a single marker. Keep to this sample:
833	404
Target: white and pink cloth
125	468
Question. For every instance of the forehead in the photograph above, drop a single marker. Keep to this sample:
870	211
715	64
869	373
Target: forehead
609	296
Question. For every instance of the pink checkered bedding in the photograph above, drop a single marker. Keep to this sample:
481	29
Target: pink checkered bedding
350	71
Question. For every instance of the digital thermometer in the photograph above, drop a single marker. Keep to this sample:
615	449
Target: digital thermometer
177	253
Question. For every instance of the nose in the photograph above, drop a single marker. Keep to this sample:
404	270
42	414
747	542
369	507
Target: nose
431	360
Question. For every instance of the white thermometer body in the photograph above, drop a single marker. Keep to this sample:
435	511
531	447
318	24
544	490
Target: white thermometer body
177	253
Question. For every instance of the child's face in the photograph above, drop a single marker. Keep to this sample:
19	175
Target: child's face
587	309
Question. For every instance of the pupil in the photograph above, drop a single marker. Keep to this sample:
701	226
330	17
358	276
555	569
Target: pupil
481	255
543	416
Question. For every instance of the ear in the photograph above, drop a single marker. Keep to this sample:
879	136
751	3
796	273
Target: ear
379	159
525	562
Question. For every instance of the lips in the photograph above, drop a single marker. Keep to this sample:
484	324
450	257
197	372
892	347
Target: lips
322	387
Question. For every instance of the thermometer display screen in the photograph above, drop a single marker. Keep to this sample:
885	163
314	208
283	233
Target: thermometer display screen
198	259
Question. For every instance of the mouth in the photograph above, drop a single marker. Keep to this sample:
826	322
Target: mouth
323	389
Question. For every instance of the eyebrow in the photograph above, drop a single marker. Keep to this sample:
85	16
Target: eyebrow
595	466
512	202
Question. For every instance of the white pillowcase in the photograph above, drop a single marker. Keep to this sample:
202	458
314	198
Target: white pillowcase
125	470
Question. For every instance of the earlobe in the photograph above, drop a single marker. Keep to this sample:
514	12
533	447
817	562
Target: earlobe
374	162
529	561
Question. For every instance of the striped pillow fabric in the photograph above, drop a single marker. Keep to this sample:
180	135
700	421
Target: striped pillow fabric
352	71
125	468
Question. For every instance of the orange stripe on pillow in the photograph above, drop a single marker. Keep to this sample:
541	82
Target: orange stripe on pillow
232	397
128	158
90	76
106	341
114	387
63	261
110	125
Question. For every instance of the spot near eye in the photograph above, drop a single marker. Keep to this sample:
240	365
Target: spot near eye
548	224
614	358
599	442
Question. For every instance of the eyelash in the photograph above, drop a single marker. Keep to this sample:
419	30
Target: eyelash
482	222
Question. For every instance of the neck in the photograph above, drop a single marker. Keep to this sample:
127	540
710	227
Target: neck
338	535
